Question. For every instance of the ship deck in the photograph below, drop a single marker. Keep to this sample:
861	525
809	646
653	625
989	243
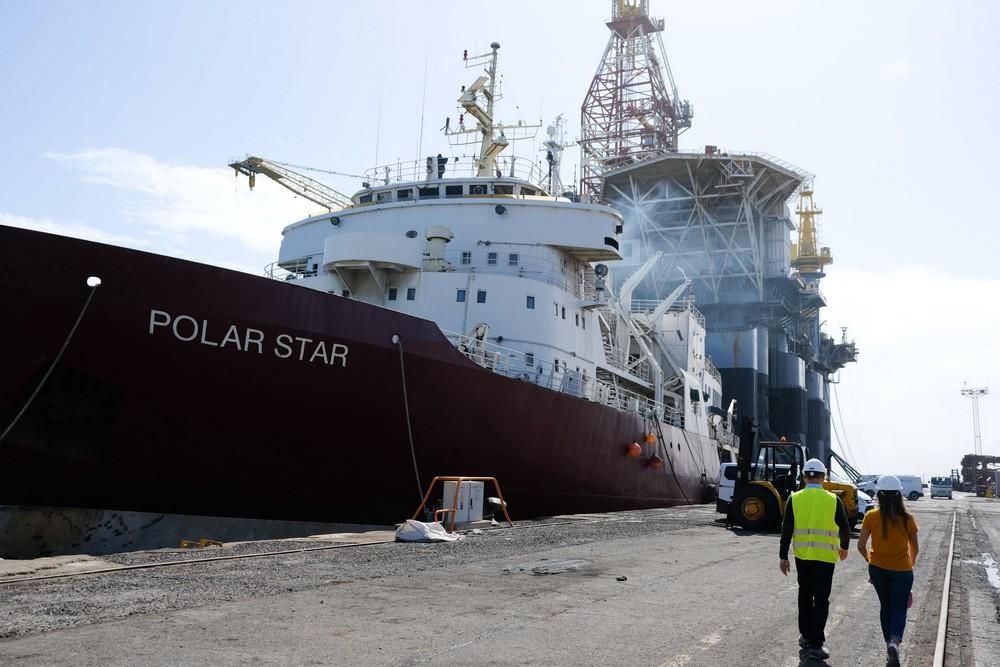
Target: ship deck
652	587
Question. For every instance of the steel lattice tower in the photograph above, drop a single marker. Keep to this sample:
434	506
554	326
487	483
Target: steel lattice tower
629	112
974	393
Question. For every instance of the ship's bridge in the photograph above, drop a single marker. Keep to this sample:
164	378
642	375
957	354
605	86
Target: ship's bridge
449	188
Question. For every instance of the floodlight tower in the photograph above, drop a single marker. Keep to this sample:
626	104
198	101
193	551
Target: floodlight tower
630	112
974	393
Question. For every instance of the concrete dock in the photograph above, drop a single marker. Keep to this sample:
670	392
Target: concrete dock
658	587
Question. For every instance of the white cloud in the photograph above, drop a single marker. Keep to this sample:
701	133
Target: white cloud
921	333
73	229
184	201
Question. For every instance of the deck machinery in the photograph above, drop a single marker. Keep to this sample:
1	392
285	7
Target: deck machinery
723	220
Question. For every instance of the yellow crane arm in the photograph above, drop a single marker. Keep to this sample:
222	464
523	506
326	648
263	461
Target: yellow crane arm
303	186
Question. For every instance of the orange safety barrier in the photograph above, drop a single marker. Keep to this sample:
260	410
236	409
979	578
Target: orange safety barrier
458	487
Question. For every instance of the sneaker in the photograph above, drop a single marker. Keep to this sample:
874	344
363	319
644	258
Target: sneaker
819	653
892	648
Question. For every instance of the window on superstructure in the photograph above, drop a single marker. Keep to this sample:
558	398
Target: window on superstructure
491	258
529	359
564	312
576	318
392	293
346	293
528	191
529	303
501	189
466	257
460	296
556	307
385	195
583	321
481	296
404	195
513	259
453	191
365	199
411	293
428	193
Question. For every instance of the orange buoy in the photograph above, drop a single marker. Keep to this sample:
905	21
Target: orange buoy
634	450
655	462
650	438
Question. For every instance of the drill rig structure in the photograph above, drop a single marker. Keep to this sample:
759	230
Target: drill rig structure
722	219
630	112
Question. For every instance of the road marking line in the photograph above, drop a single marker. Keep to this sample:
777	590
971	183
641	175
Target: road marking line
946	589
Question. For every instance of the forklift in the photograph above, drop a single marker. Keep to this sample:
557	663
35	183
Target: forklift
762	487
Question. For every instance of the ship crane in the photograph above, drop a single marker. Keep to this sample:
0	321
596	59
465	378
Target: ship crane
303	186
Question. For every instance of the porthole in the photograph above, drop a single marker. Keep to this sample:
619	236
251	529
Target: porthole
412	234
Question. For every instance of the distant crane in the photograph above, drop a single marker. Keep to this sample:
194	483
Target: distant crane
806	256
974	393
303	186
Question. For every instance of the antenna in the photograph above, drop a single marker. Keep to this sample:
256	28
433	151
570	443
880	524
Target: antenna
977	437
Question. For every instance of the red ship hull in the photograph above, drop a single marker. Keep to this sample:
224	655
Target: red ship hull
191	389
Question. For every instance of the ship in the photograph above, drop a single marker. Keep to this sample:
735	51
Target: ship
449	318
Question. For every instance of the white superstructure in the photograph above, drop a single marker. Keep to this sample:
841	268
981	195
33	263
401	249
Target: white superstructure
513	275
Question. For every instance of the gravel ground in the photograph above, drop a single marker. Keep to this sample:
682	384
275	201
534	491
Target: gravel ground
41	606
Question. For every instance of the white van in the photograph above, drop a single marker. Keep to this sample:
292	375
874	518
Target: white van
941	486
913	486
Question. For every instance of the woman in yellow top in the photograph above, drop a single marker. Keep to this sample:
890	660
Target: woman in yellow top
893	533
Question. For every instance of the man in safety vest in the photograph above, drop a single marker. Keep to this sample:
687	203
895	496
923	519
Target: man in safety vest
816	525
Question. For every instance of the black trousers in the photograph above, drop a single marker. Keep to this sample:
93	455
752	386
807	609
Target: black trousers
815	581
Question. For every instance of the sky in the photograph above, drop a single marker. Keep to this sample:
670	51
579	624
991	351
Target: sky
118	120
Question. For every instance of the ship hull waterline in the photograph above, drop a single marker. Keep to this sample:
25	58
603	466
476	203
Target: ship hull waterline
192	389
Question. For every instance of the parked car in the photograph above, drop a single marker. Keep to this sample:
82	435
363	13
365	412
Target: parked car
941	486
912	486
865	503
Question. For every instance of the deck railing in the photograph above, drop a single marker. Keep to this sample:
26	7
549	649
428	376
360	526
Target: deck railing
526	367
402	171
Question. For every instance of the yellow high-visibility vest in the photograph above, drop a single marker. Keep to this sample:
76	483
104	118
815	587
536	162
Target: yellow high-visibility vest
816	536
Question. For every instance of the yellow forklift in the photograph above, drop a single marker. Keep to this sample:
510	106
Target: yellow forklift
762	486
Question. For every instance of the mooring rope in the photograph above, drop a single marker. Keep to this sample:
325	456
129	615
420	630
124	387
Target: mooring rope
406	408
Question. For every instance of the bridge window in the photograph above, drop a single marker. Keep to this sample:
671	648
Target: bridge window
404	195
503	189
529	359
460	296
528	191
491	258
392	293
453	191
466	257
529	303
365	199
411	293
428	193
513	259
481	296
385	195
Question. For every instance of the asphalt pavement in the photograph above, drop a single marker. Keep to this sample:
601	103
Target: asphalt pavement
659	587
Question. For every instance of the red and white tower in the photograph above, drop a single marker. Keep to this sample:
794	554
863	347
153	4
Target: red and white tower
630	112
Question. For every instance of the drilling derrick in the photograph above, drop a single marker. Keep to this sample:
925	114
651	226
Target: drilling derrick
806	257
630	113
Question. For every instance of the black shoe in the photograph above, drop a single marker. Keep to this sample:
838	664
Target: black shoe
803	642
820	653
892	648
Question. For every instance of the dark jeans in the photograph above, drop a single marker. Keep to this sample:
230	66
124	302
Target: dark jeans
815	581
893	590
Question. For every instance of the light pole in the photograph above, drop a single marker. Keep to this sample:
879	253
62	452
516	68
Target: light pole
974	393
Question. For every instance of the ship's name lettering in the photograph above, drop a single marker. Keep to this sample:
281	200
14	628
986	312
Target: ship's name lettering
246	339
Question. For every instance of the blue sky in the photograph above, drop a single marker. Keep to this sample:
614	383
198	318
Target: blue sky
119	117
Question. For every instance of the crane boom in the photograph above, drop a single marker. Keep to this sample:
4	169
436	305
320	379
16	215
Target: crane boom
303	186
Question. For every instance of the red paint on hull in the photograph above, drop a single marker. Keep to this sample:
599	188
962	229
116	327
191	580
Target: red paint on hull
138	421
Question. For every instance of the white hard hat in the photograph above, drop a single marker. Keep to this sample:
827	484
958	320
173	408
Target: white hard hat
814	466
888	483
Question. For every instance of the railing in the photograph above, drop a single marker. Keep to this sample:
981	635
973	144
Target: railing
511	166
303	269
524	366
649	305
712	370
